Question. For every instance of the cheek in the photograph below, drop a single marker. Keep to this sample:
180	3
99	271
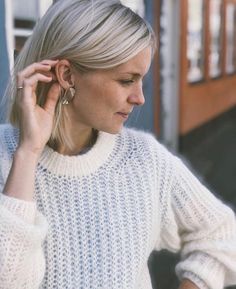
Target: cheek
86	95
104	97
112	95
99	96
90	102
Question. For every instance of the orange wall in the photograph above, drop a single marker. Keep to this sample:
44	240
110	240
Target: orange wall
200	103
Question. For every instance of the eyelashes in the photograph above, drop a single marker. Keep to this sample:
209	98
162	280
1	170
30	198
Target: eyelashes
126	81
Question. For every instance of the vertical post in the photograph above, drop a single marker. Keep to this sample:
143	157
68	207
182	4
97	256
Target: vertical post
143	117
224	38
170	54
156	66
4	61
207	39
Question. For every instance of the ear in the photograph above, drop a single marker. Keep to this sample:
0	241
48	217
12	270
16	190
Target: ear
64	74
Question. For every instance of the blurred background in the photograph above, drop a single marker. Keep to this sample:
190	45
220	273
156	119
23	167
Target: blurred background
190	89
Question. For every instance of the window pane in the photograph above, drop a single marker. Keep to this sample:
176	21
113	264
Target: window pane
216	39
230	30
195	52
24	9
25	14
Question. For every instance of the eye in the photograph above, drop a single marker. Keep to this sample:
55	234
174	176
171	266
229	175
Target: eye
126	81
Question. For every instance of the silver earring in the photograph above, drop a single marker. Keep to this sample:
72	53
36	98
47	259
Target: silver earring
68	95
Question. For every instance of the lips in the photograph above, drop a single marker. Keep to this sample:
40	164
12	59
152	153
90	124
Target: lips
125	115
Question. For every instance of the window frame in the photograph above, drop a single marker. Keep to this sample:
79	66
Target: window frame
207	38
206	99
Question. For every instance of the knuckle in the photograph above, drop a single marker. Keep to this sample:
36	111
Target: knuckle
34	67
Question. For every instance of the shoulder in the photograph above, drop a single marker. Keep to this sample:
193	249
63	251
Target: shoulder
8	139
8	144
142	140
143	146
7	132
135	135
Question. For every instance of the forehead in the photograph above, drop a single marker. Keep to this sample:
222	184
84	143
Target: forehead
139	64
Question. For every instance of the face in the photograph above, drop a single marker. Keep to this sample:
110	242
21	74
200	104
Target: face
105	98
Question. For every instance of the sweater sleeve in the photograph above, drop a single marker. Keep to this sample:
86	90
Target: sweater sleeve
22	229
22	232
202	228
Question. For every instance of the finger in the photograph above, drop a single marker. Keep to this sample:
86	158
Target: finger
45	66
30	70
34	79
50	74
27	94
52	98
50	62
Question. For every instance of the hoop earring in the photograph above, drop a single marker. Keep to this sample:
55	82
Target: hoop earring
68	96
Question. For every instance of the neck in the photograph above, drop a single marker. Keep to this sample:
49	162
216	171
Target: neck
81	140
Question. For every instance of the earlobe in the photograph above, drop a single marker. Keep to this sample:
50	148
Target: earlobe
68	96
64	74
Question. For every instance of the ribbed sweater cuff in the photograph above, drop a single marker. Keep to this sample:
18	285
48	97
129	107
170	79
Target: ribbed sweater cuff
195	279
23	209
202	269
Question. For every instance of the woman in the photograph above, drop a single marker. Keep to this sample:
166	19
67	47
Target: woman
85	201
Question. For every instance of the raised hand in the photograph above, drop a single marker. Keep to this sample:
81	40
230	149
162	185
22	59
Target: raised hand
36	122
35	127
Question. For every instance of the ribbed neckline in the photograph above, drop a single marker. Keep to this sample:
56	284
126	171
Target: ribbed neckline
80	165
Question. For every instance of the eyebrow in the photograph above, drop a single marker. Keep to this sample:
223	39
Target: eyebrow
134	74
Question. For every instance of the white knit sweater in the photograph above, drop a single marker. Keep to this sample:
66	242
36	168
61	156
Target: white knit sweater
98	216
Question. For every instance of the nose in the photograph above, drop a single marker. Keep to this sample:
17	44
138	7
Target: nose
137	98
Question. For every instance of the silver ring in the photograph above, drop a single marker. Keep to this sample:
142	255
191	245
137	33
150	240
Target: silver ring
20	87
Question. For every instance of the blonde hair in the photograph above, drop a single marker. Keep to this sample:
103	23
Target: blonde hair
90	34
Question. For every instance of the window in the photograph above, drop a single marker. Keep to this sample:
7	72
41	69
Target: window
25	15
211	39
207	53
231	38
195	45
215	38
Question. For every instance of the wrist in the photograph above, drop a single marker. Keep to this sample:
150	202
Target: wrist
21	178
187	284
23	153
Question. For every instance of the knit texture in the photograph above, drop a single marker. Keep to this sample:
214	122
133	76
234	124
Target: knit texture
97	217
